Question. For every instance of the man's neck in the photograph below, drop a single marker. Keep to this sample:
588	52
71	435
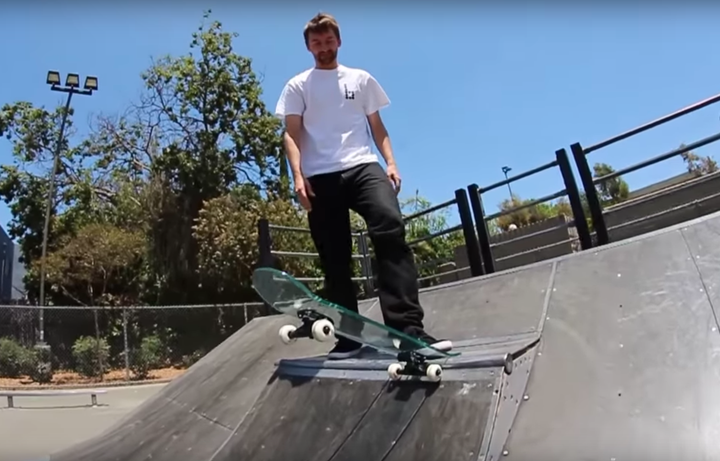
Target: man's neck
332	66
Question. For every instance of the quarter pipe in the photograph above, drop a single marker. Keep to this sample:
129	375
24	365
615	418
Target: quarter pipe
614	354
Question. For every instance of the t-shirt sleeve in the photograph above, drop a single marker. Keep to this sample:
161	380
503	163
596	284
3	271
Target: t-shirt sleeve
291	101
375	97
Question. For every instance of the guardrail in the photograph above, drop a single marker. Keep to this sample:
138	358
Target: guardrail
268	254
10	395
571	191
580	154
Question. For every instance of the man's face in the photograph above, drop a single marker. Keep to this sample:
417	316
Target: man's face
324	47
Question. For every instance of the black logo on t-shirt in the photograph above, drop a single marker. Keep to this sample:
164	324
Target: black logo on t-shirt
349	94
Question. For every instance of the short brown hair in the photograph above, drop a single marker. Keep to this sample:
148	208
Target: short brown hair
321	23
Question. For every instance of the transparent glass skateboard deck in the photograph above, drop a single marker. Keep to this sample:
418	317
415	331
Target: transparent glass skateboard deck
289	296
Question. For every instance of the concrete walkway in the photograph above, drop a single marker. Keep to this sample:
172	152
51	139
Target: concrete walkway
38	426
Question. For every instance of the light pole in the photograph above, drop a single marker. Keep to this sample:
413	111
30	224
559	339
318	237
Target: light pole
71	87
506	170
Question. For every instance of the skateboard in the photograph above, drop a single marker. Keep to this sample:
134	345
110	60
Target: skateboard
322	320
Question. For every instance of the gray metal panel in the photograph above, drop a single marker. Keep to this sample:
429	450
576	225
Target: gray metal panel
628	366
510	397
448	426
301	419
213	397
496	305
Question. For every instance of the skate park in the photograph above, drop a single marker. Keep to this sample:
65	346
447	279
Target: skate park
607	319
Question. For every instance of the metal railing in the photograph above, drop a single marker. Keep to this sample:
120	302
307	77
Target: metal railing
269	254
580	154
570	190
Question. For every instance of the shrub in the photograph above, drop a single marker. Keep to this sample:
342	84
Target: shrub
190	359
15	359
41	370
150	355
89	354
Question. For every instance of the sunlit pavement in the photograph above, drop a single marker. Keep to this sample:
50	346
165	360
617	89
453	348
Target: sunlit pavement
38	426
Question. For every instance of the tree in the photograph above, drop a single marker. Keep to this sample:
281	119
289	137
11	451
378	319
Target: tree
529	215
611	191
199	131
100	265
226	232
431	253
697	164
80	189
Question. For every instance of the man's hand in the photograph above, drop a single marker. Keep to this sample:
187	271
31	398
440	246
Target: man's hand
304	191
394	176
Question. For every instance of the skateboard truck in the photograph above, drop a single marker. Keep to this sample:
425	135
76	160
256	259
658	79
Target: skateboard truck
314	326
412	363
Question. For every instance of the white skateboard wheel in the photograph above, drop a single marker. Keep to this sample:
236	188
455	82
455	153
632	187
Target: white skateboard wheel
434	372
323	330
285	333
394	371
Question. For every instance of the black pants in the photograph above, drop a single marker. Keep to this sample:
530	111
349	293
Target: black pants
367	190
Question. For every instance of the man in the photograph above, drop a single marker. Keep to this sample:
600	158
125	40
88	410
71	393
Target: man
327	111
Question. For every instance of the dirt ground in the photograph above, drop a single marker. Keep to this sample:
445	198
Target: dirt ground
69	378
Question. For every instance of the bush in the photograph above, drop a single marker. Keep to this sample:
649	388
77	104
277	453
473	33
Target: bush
190	359
15	359
150	355
41	371
89	354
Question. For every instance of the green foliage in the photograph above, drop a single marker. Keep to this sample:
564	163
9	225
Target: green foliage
611	191
697	164
529	215
101	265
431	253
91	356
227	235
41	365
151	354
15	359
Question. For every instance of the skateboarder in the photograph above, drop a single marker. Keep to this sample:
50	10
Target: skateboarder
331	115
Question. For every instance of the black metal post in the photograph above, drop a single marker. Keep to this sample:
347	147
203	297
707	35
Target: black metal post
366	263
573	194
481	227
264	244
472	247
48	208
71	87
590	194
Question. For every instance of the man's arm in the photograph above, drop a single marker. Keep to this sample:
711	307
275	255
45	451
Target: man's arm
290	108
375	100
381	137
291	138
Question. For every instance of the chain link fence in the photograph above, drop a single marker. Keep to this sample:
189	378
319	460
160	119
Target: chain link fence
103	344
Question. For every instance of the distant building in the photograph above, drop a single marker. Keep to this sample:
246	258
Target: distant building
7	257
18	273
11	270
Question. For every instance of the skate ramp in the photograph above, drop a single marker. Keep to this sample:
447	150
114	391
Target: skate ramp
629	364
613	355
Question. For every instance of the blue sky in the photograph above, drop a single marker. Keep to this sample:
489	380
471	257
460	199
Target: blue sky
473	87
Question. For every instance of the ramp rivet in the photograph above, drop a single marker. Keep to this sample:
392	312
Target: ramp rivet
526	397
505	452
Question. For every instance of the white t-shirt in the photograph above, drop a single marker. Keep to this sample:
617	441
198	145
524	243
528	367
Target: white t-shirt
334	105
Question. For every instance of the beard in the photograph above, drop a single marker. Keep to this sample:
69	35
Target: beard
326	57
